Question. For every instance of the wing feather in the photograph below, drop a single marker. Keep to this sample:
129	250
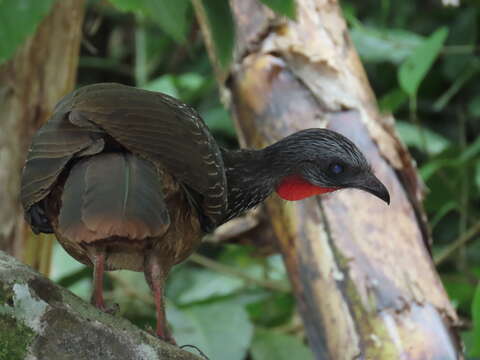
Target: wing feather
161	129
151	125
53	146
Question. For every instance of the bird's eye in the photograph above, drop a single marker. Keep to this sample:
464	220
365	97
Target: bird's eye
336	169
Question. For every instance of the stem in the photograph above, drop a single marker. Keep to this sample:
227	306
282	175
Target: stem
414	119
228	270
462	260
385	12
457	85
141	66
463	239
458	49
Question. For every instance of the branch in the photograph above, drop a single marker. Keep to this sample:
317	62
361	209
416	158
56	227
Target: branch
40	320
228	270
462	240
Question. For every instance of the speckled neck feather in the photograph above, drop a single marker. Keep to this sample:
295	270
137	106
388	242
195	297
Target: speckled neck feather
250	181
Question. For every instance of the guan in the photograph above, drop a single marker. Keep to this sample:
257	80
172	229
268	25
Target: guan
132	179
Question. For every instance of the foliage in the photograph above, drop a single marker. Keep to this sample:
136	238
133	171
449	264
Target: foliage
421	59
220	21
283	7
19	19
170	16
413	70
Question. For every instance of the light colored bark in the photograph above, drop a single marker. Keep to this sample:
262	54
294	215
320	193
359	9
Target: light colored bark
40	73
40	320
363	277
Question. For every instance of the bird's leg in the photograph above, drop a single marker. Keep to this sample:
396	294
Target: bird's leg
98	259
155	277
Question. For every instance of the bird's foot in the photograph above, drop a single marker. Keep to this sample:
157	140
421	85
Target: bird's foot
168	338
162	334
109	309
112	309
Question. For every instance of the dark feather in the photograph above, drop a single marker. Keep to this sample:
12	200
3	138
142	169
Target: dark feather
113	194
161	129
55	144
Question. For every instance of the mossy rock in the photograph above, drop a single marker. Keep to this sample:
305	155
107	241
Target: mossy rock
40	320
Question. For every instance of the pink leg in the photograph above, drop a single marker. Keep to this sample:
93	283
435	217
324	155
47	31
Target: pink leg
155	279
98	270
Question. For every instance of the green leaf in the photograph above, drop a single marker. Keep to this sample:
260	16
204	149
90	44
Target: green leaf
475	351
469	71
412	136
191	86
220	21
463	33
221	330
413	70
190	284
273	310
268	345
218	120
472	345
19	19
283	7
128	5
391	101
384	45
164	84
460	290
477	175
431	167
474	106
441	212
470	152
171	16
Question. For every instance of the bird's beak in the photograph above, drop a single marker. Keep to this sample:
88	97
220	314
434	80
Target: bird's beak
375	187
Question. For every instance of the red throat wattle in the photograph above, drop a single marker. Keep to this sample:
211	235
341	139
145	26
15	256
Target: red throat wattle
296	188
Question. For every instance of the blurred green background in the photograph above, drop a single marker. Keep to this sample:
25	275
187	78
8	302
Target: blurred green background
422	59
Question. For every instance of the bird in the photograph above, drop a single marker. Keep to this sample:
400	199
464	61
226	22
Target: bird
133	179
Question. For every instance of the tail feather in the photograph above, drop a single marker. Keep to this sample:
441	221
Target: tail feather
113	194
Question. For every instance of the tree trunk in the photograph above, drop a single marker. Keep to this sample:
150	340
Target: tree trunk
42	70
362	274
40	320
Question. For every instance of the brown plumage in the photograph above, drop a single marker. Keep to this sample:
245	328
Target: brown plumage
132	179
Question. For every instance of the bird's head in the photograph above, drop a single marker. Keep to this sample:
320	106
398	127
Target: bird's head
316	161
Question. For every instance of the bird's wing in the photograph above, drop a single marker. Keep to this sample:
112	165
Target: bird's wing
154	126
53	146
113	194
161	129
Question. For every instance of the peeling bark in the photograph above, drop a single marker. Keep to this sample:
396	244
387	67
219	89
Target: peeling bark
362	273
42	70
40	320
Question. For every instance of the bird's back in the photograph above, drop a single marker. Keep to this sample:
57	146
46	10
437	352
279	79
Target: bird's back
150	125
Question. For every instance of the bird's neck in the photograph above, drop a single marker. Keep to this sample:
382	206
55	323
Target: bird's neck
250	179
